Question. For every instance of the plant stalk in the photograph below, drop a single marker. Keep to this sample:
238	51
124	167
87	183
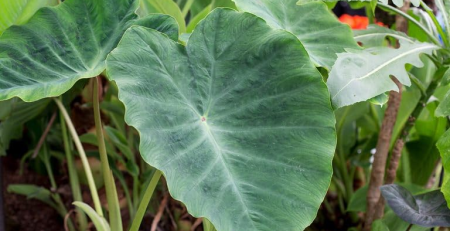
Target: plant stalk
187	7
381	154
115	218
84	160
399	144
59	203
73	177
145	201
441	7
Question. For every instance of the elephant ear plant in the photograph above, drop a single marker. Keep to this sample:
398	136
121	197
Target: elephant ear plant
239	120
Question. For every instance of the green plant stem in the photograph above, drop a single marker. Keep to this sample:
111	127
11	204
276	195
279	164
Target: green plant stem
145	201
135	192
187	7
73	177
436	23
61	207
84	160
411	19
445	16
126	191
115	218
369	14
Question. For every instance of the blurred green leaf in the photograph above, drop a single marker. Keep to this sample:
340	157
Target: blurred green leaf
17	12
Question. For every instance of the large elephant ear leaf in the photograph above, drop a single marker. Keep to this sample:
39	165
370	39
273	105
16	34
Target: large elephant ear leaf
19	11
317	28
61	45
239	120
359	75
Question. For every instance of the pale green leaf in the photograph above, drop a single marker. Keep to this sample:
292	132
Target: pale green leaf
16	12
359	75
320	32
239	121
61	45
194	21
168	7
380	100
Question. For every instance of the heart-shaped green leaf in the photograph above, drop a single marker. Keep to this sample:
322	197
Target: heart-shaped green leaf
19	11
60	45
428	209
317	28
239	121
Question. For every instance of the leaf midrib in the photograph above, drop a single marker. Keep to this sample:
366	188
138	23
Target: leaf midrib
218	150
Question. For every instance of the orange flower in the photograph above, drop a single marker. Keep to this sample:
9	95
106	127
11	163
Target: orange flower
356	22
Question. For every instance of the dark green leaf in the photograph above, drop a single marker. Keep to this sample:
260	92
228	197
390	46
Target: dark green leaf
428	210
61	45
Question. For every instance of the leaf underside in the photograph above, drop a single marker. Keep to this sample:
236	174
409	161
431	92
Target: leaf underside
239	121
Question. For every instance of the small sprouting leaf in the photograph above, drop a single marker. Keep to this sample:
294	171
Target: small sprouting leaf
315	26
428	209
359	75
238	118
